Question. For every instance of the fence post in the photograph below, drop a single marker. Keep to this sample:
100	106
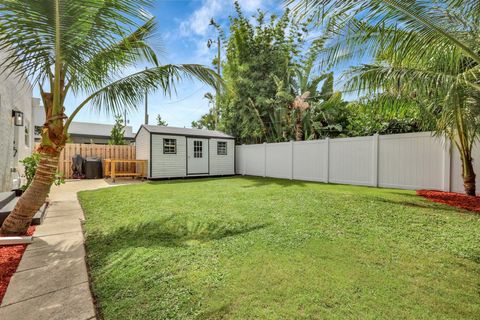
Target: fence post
244	160
376	138
291	159
447	158
264	159
327	161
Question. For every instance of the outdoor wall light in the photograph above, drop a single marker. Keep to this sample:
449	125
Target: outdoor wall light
17	118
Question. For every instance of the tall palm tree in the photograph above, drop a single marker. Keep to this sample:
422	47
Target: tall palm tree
80	46
426	50
298	87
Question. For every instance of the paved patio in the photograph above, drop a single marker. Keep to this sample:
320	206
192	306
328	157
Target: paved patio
51	281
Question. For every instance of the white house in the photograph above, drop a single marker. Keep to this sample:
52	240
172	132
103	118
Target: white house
82	132
179	152
16	141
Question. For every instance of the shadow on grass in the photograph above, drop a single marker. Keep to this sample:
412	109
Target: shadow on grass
264	182
218	313
189	180
415	201
169	232
420	203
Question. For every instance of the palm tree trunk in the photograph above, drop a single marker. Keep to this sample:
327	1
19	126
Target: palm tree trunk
20	218
468	175
465	148
298	127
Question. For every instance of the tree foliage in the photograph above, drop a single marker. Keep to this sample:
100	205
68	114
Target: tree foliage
30	165
117	135
206	121
276	91
262	74
160	121
425	54
209	120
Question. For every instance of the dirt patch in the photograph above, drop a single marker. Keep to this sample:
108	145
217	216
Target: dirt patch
452	199
10	257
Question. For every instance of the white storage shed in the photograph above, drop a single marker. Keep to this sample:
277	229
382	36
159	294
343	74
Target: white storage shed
180	152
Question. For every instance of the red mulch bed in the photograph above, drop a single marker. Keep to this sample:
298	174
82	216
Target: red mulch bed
9	259
452	199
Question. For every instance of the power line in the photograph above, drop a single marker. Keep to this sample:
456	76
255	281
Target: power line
185	98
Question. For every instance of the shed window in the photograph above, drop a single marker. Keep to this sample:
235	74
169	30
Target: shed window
197	149
221	148
169	146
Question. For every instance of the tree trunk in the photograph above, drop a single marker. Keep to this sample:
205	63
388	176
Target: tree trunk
298	127
468	175
33	198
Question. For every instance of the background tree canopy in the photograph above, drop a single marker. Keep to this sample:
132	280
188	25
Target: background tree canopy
276	91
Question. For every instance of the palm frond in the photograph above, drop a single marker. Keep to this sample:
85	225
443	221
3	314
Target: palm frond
30	30
126	93
429	21
113	60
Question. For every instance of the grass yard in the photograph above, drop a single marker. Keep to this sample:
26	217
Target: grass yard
255	248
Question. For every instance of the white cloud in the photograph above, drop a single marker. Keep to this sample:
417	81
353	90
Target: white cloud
199	21
252	5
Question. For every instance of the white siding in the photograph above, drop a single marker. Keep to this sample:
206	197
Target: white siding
168	165
15	94
222	164
142	146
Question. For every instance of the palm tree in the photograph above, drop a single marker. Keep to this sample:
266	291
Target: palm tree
297	89
80	46
427	51
212	102
306	88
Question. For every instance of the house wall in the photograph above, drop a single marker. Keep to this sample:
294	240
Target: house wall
222	164
168	165
83	132
142	146
38	114
15	94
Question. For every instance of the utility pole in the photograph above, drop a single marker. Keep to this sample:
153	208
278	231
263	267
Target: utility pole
219	52
146	105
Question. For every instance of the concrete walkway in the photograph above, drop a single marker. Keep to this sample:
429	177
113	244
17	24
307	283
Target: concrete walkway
51	281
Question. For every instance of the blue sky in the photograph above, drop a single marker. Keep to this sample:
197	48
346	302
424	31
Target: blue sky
183	31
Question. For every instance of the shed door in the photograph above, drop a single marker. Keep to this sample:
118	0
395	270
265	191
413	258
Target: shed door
197	161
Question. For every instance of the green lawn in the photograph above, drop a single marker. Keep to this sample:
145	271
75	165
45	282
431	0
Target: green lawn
254	248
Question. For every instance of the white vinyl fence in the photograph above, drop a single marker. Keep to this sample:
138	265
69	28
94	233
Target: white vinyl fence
407	161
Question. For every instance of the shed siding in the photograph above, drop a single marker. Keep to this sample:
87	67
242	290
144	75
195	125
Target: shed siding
168	165
142	147
222	165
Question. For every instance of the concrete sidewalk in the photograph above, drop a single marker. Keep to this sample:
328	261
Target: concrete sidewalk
51	281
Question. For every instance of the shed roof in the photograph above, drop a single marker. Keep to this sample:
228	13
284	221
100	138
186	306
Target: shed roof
187	132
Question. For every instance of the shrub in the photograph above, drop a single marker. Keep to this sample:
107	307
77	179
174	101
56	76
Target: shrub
30	164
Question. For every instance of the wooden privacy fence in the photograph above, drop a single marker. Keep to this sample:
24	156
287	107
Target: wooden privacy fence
95	150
